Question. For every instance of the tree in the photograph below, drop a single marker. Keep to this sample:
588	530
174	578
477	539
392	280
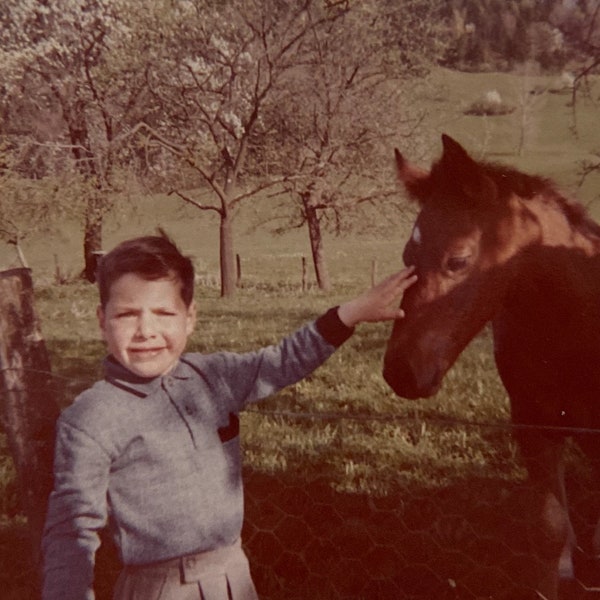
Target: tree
22	210
68	87
580	26
213	69
31	206
499	34
343	106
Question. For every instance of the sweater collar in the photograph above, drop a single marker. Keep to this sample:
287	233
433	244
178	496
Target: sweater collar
121	377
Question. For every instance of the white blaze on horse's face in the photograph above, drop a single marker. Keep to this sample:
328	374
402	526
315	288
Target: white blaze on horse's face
416	235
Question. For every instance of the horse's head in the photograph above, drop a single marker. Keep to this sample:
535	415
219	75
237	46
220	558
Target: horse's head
470	229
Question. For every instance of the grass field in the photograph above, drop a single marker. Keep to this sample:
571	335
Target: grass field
351	492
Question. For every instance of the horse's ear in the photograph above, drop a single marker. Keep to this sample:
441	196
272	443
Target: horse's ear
410	175
455	155
474	184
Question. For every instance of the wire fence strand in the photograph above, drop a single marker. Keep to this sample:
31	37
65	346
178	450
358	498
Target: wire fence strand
448	421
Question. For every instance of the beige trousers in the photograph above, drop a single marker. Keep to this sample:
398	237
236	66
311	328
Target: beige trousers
222	574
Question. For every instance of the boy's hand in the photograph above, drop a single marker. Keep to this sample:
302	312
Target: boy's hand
381	302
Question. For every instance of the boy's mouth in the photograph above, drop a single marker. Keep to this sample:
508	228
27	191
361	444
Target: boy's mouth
145	352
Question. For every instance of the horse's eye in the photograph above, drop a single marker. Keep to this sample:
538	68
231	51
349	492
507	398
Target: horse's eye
457	263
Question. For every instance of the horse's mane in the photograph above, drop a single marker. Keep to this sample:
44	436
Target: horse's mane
509	181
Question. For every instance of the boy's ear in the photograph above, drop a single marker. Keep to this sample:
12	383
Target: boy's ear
191	318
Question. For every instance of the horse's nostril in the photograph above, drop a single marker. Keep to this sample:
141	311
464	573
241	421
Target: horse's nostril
409	382
401	378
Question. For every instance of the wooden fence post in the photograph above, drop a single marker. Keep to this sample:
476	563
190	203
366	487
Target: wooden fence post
373	272
28	407
304	274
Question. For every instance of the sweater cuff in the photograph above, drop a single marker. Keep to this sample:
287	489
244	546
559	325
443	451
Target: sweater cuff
332	328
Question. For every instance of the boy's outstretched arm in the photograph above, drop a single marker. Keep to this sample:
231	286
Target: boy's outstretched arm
379	303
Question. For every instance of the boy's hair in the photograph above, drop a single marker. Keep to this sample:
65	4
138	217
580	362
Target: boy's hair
150	257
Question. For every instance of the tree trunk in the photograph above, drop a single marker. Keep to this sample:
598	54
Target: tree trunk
28	409
227	256
92	237
316	245
87	164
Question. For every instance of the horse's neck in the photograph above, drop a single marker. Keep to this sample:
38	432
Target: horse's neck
549	321
557	279
551	311
556	230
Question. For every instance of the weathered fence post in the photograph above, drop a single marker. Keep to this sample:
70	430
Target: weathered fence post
28	408
238	270
373	272
304	273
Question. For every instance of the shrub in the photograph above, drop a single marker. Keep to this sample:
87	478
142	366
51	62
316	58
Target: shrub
490	104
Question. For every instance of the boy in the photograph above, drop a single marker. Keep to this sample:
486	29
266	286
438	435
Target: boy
153	449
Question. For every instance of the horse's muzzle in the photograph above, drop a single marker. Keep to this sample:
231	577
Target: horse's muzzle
407	382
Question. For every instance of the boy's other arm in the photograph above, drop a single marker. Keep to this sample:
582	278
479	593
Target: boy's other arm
76	511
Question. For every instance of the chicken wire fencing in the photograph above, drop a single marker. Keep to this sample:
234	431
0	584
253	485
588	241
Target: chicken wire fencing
400	508
382	507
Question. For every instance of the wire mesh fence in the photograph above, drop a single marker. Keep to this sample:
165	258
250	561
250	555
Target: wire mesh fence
362	506
466	534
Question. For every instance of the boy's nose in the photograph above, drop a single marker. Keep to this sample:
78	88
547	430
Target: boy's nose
145	326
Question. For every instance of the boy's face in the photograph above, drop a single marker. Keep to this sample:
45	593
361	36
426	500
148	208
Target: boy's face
146	323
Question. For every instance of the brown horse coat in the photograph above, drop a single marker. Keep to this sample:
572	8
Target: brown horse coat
495	245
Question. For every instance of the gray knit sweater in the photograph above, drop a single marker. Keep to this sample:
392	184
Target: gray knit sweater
159	459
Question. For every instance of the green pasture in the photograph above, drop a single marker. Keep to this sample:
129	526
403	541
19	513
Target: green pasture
342	426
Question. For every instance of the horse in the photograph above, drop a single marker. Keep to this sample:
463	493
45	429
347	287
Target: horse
494	245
